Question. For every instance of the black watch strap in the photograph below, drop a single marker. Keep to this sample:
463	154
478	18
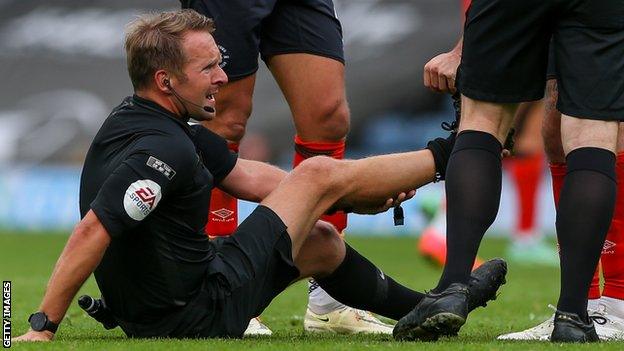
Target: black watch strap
39	322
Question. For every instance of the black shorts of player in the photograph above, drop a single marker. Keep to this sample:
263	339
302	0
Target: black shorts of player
505	54
250	268
246	28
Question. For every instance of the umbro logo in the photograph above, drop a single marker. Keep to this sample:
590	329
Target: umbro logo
222	213
608	247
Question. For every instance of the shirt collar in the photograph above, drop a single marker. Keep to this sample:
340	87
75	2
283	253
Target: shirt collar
151	105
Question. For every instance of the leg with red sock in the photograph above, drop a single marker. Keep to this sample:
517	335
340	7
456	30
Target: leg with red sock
223	212
325	313
528	246
612	258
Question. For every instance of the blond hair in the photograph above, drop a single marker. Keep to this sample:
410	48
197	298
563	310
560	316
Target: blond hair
154	41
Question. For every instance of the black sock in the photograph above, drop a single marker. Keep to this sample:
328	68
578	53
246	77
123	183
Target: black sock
585	210
473	188
358	283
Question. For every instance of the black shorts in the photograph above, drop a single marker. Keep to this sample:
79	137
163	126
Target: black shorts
505	53
250	269
246	28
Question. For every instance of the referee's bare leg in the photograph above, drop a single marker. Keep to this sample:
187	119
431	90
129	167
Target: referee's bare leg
368	185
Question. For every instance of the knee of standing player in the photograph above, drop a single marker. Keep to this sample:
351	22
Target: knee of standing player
330	120
551	134
234	117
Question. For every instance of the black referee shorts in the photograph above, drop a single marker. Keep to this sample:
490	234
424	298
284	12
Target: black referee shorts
505	54
246	28
250	269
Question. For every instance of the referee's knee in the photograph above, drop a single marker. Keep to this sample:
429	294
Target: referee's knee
323	171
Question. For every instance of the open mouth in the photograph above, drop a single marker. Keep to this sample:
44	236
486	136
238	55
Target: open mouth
211	96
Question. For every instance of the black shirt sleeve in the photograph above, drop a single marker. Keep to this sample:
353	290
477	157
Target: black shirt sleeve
213	150
155	168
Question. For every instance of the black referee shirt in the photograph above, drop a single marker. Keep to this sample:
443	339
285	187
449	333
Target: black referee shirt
144	179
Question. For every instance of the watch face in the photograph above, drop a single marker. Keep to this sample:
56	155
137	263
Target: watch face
38	321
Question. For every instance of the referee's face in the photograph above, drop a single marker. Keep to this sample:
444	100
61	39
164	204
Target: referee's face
204	76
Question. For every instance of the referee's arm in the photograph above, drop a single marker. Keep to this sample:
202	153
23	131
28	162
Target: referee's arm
79	258
252	180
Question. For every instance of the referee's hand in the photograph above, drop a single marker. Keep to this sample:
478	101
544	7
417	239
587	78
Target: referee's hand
32	335
440	72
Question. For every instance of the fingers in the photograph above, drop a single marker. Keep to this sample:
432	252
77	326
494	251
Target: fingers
451	85
439	73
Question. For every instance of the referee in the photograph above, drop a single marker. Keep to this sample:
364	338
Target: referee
145	190
504	63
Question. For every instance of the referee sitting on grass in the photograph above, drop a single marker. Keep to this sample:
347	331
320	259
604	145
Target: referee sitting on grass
145	192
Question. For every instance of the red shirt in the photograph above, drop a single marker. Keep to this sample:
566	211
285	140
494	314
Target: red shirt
465	4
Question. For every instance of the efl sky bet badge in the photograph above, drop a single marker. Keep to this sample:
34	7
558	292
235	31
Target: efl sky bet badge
161	167
141	198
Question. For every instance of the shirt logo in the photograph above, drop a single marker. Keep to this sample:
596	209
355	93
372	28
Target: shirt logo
608	247
161	167
222	213
141	198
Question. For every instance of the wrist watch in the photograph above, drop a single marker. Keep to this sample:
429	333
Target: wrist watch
39	322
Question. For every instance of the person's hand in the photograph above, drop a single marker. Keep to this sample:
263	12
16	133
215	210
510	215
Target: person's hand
32	335
440	72
373	208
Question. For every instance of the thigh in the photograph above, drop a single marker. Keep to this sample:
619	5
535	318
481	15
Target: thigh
589	51
302	26
505	50
314	87
238	30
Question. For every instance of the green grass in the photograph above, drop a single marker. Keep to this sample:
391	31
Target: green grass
27	261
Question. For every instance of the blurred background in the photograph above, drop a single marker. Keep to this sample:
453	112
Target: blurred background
63	69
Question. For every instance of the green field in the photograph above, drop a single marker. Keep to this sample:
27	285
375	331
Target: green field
27	261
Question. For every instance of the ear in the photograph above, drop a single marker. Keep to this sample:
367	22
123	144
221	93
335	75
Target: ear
161	80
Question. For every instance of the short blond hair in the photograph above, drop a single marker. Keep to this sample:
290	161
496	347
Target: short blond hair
154	41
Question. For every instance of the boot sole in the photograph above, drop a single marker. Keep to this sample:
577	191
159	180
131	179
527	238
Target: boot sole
445	323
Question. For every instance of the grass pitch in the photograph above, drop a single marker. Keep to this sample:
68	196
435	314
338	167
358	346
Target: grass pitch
27	260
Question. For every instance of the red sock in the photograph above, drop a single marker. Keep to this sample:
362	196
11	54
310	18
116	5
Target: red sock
612	257
527	173
307	149
558	171
223	213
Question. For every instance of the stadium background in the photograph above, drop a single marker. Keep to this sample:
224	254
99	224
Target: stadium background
63	69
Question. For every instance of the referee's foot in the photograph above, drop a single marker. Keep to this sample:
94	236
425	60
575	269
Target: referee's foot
345	320
256	327
437	314
569	327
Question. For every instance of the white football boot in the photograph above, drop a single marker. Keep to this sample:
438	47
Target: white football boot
256	327
345	320
608	327
541	331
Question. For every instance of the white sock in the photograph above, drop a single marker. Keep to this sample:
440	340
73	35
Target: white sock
614	306
592	304
319	300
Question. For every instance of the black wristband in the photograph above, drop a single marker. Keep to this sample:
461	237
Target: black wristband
441	149
39	322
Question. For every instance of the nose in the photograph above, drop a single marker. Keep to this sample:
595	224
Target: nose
220	77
